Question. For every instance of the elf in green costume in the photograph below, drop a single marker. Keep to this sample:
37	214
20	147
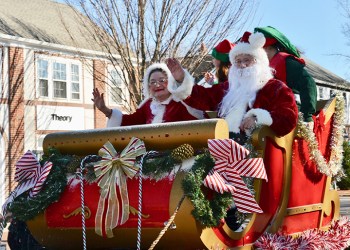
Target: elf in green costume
290	67
221	62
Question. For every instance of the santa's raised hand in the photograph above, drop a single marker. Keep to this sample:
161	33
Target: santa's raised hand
176	69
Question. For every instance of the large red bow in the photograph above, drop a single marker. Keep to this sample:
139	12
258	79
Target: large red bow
230	165
319	125
30	175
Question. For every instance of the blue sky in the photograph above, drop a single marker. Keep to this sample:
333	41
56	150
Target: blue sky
314	26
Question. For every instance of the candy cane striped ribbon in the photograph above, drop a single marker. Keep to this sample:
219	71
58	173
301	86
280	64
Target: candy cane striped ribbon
30	175
230	165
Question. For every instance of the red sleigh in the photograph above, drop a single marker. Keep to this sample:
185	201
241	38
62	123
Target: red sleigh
296	197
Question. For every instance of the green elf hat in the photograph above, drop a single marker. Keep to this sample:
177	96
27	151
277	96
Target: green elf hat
273	36
221	51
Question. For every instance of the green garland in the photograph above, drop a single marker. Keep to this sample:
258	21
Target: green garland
158	165
25	208
207	212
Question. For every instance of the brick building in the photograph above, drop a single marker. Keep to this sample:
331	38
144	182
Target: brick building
47	76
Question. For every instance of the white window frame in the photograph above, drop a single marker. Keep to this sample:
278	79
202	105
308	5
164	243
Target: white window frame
74	81
68	79
124	93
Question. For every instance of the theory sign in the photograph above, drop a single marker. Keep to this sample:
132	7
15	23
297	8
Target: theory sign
60	118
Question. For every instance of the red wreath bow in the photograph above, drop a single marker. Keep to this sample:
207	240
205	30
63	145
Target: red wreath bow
230	165
30	175
319	126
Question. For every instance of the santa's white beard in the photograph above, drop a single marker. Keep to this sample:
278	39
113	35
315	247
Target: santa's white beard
244	85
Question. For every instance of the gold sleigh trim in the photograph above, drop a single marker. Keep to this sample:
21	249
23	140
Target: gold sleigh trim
77	211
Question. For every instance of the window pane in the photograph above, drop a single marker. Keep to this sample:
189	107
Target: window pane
75	90
60	89
75	96
59	71
42	68
116	95
321	92
43	88
115	78
116	90
75	72
75	87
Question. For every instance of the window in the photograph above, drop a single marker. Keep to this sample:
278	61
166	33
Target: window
345	99
321	92
75	81
116	87
58	78
43	78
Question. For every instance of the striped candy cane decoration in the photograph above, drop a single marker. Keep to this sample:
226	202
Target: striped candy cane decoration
30	175
230	165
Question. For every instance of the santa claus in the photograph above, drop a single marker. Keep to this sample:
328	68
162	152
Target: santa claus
251	96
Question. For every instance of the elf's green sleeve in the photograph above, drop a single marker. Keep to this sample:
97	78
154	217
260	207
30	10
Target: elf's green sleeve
302	84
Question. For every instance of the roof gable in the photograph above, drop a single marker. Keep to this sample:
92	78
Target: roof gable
46	21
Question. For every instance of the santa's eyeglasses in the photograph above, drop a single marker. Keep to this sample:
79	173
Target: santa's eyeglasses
245	62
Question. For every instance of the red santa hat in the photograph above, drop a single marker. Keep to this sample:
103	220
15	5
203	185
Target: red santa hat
254	48
269	40
245	37
222	50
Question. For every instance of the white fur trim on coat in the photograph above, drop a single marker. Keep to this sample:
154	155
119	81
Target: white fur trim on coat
262	116
158	110
181	91
199	114
116	119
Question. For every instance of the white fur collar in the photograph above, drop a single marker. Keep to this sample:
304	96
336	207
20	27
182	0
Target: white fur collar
158	109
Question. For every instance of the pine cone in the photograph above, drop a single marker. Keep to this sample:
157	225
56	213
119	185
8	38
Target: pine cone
182	152
73	164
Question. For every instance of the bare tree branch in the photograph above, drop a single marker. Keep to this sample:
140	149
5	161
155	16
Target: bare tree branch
138	32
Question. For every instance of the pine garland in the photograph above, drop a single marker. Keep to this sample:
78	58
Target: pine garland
158	165
207	212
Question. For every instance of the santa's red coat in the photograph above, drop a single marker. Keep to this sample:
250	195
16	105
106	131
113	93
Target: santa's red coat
275	97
